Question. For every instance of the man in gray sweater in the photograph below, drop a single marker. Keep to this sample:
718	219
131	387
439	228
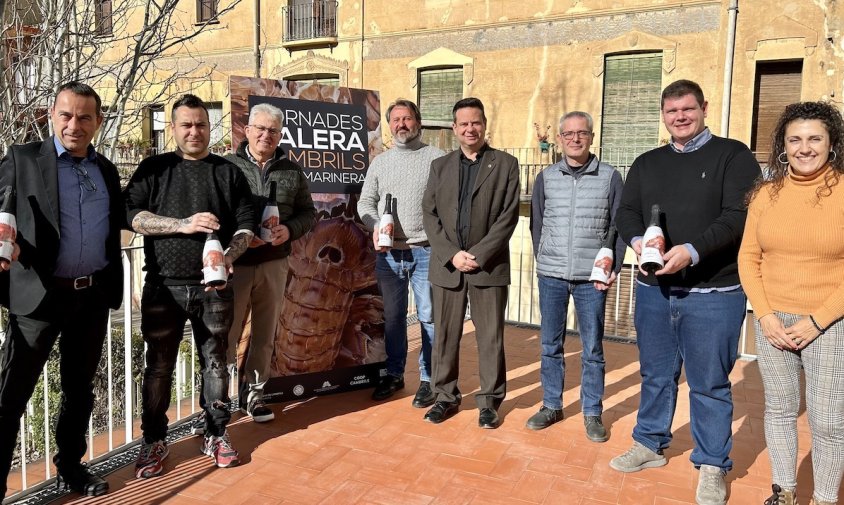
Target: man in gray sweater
402	171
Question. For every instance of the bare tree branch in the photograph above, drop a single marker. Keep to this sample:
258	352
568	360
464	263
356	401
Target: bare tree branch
49	42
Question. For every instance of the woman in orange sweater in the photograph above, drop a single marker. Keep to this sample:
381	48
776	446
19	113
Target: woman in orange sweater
791	264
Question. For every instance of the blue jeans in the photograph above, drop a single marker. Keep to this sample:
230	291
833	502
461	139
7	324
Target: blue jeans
164	312
394	269
702	331
589	306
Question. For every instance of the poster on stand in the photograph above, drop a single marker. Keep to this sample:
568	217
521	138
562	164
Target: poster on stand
330	336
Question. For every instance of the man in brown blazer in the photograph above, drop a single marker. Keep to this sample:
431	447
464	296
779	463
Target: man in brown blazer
470	209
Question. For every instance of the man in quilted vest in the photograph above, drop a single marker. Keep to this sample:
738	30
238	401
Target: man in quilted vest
573	206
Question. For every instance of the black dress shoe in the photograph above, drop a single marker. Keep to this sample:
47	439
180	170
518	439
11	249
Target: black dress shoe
424	396
78	478
544	418
488	419
387	387
441	411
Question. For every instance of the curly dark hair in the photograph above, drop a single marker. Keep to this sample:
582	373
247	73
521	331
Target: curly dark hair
776	172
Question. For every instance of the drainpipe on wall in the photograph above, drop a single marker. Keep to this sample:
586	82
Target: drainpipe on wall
256	43
362	28
732	13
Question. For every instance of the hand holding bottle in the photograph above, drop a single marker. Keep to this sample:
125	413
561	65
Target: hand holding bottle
676	259
201	222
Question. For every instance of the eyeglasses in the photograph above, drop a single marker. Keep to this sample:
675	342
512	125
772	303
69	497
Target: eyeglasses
85	180
580	134
264	129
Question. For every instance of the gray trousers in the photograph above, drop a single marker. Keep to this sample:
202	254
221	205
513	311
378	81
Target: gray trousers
823	363
488	303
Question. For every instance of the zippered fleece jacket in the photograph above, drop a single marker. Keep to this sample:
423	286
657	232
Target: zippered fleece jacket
295	207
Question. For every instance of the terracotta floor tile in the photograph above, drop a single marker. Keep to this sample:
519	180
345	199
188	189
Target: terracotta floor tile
335	475
458	463
576	489
432	481
510	467
482	483
533	487
347	449
347	492
452	495
383	496
384	478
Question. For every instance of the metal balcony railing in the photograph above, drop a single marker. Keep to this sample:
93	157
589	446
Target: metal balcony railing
310	20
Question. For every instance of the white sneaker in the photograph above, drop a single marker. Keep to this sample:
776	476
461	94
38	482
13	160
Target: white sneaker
711	486
637	458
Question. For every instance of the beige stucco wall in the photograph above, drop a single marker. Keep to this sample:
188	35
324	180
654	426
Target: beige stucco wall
531	60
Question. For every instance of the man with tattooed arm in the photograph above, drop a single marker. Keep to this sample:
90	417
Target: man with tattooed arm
175	199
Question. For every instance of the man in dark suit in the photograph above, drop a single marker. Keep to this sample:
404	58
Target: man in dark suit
67	275
470	209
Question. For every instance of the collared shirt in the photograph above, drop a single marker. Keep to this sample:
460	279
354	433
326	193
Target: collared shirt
83	214
468	174
258	163
696	143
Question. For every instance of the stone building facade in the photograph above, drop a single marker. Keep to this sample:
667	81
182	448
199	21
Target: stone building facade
532	60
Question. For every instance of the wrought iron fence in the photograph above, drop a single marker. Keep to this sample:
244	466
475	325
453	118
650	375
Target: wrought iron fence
114	423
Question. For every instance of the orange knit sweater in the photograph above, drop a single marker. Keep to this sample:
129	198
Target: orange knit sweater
792	253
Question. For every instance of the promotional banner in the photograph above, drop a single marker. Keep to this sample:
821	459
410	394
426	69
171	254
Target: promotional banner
330	336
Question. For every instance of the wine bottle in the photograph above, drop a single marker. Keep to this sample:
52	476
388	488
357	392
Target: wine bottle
269	219
653	244
602	268
385	227
213	263
8	224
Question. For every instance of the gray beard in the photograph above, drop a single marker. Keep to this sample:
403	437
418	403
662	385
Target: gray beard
407	140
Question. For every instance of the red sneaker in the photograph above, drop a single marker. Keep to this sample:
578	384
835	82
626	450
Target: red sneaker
220	448
151	459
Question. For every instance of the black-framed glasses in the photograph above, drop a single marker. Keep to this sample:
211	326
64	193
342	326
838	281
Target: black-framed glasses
580	134
264	129
85	180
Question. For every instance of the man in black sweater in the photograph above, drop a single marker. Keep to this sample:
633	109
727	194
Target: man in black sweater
691	310
175	200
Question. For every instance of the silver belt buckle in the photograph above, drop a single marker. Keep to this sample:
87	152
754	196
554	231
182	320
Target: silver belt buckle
83	282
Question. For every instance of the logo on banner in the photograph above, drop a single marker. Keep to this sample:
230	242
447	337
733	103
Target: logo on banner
328	140
359	379
298	390
326	386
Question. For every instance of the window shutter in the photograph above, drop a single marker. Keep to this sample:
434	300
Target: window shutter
438	91
777	85
631	113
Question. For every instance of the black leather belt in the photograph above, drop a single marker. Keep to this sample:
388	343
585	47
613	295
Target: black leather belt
84	282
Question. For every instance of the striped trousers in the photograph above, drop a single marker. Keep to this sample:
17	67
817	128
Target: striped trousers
823	363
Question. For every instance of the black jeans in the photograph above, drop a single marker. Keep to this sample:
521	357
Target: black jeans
81	319
164	311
